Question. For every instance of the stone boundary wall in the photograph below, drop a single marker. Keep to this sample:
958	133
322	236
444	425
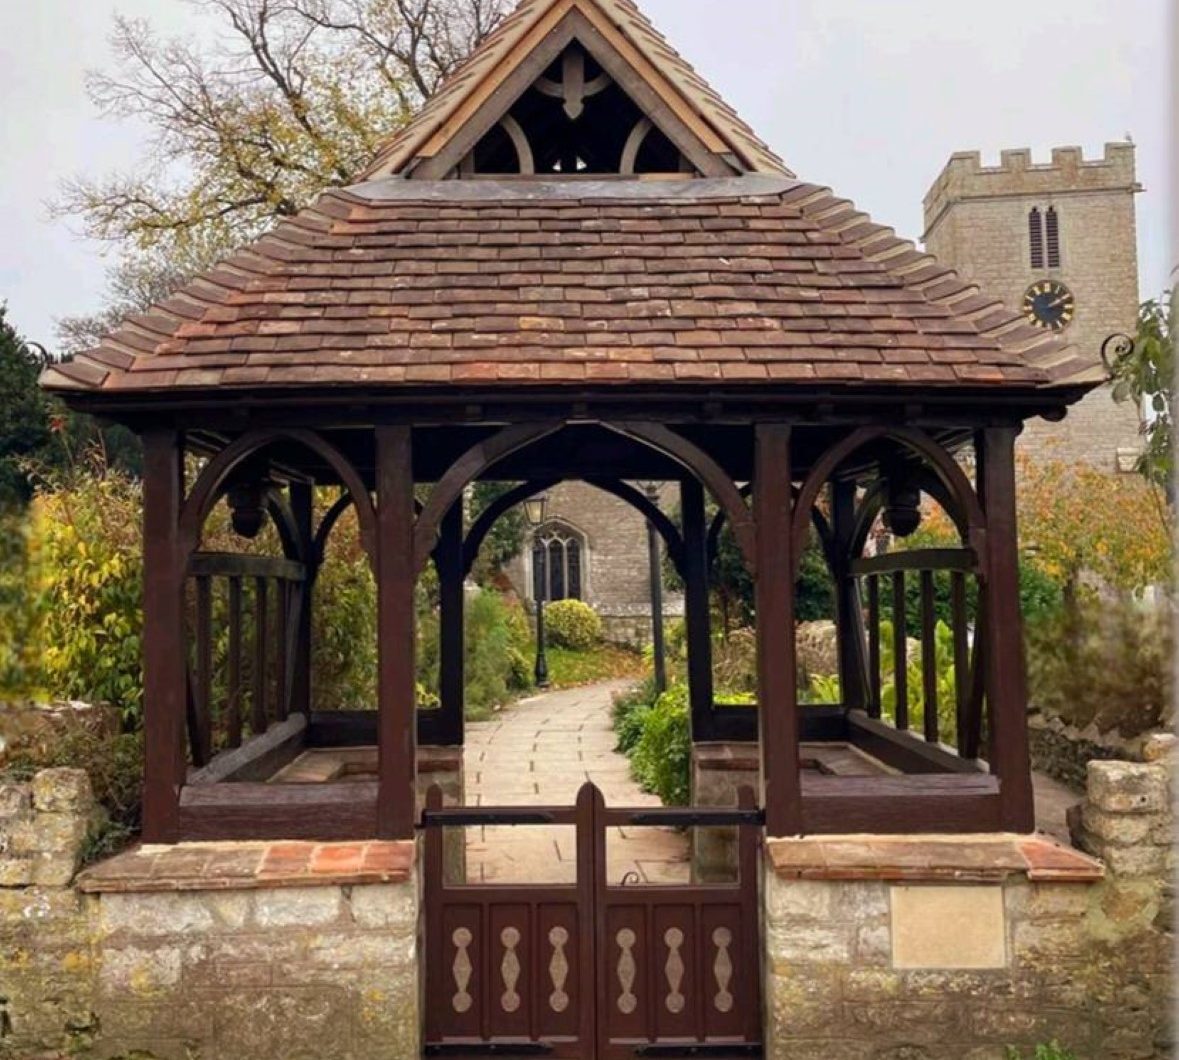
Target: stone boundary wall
924	967
251	970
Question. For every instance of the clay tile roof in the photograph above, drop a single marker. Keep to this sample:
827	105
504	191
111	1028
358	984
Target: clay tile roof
669	74
746	281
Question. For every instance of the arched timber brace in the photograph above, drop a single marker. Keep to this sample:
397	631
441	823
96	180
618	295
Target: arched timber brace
708	471
213	478
651	512
396	684
777	688
490	515
473	463
942	464
822	528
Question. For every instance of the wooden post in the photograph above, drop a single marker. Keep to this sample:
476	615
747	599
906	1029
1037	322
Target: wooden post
300	693
697	616
165	681
448	558
848	616
777	691
396	765
1003	653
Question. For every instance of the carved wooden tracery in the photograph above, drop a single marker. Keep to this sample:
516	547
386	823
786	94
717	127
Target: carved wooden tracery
574	120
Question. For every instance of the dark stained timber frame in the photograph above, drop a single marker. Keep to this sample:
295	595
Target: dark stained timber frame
773	481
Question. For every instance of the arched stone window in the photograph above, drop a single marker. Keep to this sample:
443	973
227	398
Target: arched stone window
558	558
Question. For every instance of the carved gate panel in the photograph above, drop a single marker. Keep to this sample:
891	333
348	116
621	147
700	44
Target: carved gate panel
592	970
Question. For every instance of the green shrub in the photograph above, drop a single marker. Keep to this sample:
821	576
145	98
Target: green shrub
1106	663
492	631
662	757
88	579
572	624
520	670
629	712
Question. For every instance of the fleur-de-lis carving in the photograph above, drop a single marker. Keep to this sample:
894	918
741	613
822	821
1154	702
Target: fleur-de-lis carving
462	1001
510	969
559	969
674	970
722	968
627	1002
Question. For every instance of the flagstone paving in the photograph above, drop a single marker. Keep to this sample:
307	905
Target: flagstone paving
540	751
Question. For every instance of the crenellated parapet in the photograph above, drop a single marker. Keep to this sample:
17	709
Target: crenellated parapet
1017	174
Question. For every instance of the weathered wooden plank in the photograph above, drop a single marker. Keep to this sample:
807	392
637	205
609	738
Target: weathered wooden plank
921	804
396	686
903	750
900	651
248	810
777	684
233	665
258	706
874	646
959	622
929	717
259	758
1005	667
164	677
697	614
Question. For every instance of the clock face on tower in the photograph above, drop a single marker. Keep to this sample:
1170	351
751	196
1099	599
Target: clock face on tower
1049	304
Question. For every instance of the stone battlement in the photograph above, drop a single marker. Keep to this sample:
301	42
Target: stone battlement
965	177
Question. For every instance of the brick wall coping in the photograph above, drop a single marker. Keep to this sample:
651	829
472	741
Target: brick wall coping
250	866
930	858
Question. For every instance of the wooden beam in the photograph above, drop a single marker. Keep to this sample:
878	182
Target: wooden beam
777	671
241	565
259	758
697	614
925	804
396	575
904	750
849	619
448	558
302	510
917	559
247	810
164	677
1006	676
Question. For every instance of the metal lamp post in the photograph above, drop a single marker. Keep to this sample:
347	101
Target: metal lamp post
655	573
534	511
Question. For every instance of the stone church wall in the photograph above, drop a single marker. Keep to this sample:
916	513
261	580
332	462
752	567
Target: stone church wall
616	569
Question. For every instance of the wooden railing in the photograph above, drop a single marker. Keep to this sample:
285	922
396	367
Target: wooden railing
897	570
246	613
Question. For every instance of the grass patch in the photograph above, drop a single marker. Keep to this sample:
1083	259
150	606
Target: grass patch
606	662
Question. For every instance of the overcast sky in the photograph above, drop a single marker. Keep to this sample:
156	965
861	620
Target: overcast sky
867	96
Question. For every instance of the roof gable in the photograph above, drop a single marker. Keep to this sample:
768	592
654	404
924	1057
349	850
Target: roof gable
629	50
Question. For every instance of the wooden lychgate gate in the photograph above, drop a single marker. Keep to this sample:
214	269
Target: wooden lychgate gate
597	969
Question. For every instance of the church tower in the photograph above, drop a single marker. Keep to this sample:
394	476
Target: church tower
1057	242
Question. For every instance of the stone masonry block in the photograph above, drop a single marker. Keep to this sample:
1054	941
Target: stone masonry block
297	906
385	906
139	971
54	870
63	791
15	872
1128	787
47	833
155	915
794	900
15	799
1122	829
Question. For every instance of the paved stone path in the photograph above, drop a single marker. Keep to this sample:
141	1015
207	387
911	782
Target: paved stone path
542	749
539	752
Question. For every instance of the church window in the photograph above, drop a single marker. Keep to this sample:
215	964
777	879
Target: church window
557	557
1036	237
1052	231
